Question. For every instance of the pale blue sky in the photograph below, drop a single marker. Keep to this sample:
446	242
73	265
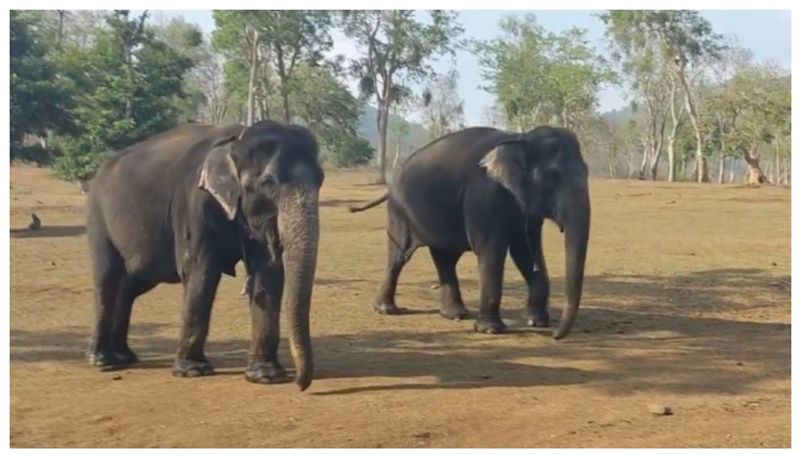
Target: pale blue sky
766	33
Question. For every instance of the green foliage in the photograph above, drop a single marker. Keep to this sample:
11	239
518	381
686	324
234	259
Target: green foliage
397	47
40	97
325	105
756	104
680	34
270	45
542	77
127	84
187	40
349	151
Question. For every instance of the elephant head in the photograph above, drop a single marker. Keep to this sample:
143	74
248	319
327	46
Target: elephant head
270	171
544	171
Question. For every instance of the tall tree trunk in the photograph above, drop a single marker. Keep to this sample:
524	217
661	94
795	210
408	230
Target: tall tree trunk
131	84
631	165
384	105
673	131
701	170
128	52
721	177
645	157
755	175
383	121
775	147
252	80
659	147
61	14
287	115
396	151
731	176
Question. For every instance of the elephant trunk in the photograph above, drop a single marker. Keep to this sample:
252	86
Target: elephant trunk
576	239
298	227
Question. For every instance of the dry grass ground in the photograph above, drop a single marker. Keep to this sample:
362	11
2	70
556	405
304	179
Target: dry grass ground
686	303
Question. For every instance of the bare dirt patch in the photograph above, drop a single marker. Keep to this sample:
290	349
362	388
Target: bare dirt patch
686	304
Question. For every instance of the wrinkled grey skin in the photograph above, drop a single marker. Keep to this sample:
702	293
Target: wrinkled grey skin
186	206
489	191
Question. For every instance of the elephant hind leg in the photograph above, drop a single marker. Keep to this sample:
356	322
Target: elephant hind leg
401	247
452	306
109	275
130	288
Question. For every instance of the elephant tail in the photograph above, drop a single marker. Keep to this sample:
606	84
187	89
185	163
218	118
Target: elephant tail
356	209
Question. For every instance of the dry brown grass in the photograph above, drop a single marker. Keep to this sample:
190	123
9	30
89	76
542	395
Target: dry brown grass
686	303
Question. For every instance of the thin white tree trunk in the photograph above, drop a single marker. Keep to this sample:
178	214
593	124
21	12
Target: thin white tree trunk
701	169
252	80
672	133
776	148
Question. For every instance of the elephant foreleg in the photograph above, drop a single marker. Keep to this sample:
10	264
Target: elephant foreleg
200	286
526	251
491	260
265	309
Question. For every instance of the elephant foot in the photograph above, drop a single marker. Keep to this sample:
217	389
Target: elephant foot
537	318
185	368
126	356
489	324
454	311
247	289
101	358
383	307
265	373
105	359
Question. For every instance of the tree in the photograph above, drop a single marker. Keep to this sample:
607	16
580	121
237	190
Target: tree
755	108
683	38
323	103
493	116
540	77
351	151
126	84
398	129
443	107
270	44
237	36
186	39
40	97
395	47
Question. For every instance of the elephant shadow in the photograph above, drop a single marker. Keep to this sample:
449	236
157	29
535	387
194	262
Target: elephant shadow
49	231
635	333
338	202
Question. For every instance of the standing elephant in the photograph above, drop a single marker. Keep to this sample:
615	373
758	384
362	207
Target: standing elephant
186	206
489	191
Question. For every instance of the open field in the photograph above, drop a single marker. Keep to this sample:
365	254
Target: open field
686	303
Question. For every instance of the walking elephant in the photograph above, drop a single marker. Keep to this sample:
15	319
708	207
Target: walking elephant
489	191
186	206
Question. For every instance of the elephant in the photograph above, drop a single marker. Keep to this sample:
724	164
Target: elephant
489	191
186	206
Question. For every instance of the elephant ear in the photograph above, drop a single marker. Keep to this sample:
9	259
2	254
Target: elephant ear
506	165
220	178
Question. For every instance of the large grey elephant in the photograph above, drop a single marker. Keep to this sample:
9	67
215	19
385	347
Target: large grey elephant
186	206
489	191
